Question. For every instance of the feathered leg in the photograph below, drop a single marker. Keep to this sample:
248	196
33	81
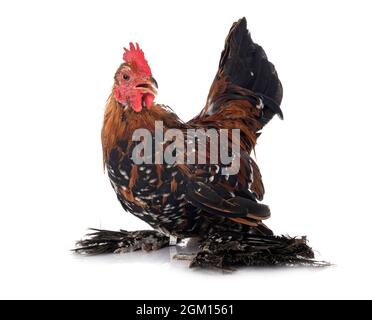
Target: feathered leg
226	250
104	241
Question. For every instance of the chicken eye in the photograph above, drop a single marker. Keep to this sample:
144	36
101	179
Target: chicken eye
126	77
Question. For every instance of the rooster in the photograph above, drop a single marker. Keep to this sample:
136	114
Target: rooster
183	200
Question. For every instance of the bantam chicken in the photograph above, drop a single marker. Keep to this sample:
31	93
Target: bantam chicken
195	200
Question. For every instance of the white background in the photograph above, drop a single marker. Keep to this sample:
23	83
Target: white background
57	60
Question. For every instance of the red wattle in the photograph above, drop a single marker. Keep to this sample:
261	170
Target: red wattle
136	102
148	99
136	105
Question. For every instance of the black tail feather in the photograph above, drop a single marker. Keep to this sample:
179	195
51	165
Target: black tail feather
247	66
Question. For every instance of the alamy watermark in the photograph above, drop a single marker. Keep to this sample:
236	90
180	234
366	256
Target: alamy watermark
175	146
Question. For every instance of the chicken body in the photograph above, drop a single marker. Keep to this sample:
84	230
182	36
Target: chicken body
163	194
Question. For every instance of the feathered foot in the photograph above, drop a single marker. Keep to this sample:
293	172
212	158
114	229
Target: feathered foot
230	250
104	241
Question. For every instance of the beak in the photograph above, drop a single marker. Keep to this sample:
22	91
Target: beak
148	86
154	82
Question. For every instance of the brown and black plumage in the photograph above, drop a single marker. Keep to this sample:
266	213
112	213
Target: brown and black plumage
196	200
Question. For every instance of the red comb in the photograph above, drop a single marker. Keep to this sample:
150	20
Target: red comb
136	58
